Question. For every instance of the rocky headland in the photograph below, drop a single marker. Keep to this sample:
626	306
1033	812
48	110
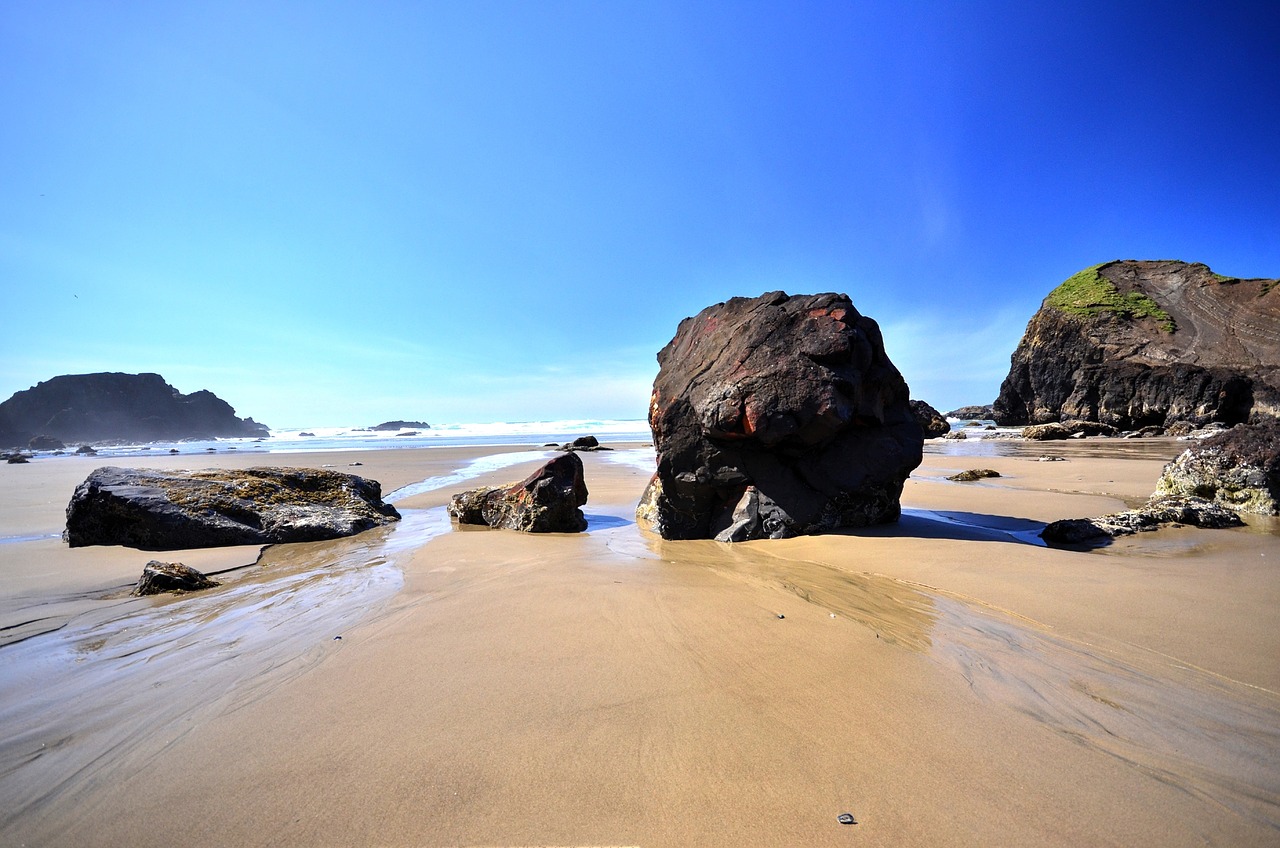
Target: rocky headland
117	407
170	510
777	416
1133	344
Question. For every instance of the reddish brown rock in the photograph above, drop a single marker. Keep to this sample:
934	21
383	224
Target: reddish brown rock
546	501
776	416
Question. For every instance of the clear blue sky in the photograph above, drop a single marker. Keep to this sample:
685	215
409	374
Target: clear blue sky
340	213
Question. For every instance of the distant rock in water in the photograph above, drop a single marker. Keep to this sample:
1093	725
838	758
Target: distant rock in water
965	413
46	443
776	416
169	510
118	407
1134	344
547	501
401	425
930	420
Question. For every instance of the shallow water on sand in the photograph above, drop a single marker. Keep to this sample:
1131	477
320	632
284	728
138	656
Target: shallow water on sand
210	653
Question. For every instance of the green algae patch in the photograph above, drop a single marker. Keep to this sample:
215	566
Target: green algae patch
1088	293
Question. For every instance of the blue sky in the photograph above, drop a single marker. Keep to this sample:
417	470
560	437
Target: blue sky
340	213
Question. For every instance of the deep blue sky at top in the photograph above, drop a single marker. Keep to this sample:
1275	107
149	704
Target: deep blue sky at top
338	213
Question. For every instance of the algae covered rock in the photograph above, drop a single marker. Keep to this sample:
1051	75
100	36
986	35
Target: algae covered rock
1148	343
170	510
1239	468
158	577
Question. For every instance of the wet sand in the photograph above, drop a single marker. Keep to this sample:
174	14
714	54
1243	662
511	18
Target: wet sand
945	680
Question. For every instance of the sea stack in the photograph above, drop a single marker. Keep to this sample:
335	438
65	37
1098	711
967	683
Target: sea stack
1134	344
776	416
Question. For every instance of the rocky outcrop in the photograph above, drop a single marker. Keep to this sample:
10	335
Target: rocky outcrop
45	443
1158	512
1134	344
547	501
1239	469
401	425
930	420
971	413
168	510
158	577
776	416
118	407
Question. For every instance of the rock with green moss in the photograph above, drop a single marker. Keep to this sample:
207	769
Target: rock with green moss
1135	344
170	510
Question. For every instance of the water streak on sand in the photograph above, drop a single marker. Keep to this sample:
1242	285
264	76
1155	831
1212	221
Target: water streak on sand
214	652
471	470
1205	734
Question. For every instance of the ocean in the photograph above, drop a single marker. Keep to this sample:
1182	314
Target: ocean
316	439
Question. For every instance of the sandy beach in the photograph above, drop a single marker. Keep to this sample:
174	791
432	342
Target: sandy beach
945	680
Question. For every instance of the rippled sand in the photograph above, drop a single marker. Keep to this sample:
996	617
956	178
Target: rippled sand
945	680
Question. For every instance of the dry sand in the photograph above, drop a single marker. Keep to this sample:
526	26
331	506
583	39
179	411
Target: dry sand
944	680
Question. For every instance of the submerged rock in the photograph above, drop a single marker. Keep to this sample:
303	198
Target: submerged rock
547	501
160	577
168	510
1239	468
776	416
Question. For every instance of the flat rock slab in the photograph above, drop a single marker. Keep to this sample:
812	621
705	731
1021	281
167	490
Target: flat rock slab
170	510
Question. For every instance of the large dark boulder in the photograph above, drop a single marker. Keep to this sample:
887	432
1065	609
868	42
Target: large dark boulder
547	501
168	510
931	421
1134	344
118	407
776	416
1239	468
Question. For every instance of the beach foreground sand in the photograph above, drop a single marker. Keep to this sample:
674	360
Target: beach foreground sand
944	680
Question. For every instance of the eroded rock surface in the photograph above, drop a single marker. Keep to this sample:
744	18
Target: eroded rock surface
776	416
547	501
1134	344
169	510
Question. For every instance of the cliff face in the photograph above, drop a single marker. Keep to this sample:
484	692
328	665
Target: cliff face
1134	343
105	407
